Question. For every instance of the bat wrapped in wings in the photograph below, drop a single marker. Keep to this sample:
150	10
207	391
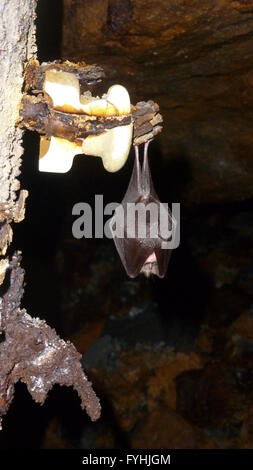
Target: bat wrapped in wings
138	237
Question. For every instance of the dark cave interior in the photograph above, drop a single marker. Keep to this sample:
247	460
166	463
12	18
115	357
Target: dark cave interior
176	351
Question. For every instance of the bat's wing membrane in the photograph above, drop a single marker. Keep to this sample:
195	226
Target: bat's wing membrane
135	251
134	188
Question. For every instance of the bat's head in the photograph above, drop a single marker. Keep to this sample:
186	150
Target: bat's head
150	266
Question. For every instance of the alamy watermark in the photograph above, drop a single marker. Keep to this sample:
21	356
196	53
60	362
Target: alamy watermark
130	220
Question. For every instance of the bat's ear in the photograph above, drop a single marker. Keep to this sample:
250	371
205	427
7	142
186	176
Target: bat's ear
134	189
146	178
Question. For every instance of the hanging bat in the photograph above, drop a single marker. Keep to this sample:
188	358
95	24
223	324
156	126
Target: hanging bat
141	254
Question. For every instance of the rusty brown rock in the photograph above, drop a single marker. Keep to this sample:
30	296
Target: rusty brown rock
219	396
32	352
165	429
88	75
196	61
245	439
143	380
37	113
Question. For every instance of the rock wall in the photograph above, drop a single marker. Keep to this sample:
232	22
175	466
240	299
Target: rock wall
195	59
